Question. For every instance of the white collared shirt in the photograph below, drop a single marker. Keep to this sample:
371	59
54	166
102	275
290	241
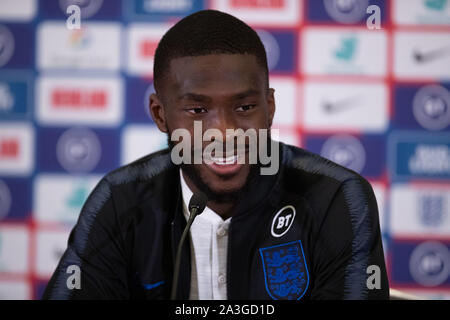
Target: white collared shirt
209	243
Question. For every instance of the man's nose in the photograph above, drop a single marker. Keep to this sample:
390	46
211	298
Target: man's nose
225	123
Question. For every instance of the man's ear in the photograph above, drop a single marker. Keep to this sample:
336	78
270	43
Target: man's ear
157	112
271	105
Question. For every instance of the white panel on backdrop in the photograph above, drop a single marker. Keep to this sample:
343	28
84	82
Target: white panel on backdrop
420	210
285	101
16	149
414	12
50	246
15	290
18	10
143	38
262	12
422	55
345	106
80	100
59	198
14	249
331	51
96	46
140	140
286	136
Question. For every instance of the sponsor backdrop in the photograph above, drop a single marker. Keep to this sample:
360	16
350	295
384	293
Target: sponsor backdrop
73	106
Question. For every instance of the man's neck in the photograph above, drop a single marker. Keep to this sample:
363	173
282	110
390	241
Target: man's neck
224	210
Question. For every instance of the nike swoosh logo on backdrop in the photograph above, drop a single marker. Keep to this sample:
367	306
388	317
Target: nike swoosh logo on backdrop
424	57
340	105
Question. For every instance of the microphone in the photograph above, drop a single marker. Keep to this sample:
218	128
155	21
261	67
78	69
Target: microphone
196	206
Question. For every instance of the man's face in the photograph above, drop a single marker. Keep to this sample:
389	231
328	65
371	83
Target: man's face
223	91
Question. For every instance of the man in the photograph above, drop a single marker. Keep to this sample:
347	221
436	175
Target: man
310	230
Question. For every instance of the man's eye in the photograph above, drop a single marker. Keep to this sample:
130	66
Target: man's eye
244	108
197	110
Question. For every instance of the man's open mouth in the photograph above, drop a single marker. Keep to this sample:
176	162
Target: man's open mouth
224	165
224	161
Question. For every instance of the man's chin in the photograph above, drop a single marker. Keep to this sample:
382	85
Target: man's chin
224	193
224	190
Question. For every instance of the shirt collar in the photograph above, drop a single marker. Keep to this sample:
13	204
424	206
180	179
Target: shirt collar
208	214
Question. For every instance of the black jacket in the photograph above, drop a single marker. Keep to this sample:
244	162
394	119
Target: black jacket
309	232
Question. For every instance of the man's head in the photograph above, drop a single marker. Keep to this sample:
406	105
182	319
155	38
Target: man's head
212	67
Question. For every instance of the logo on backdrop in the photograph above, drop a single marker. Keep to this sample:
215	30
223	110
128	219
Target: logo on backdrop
5	200
346	11
10	148
79	39
15	92
432	209
6	45
283	221
431	107
141	45
6	97
430	159
338	106
347	49
345	150
68	194
16	148
78	150
74	202
430	263
88	7
437	5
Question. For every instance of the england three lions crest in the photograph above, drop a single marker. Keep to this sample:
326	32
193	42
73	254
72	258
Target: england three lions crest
285	271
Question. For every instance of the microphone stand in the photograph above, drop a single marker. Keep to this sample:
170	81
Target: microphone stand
194	211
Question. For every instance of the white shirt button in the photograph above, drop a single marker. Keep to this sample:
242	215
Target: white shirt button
221	279
221	232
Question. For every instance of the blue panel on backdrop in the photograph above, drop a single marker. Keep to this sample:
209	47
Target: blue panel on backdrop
343	12
424	107
78	150
97	9
416	155
138	93
420	263
15	199
364	154
16	46
281	48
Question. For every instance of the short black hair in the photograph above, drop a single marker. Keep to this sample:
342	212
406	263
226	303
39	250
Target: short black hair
207	32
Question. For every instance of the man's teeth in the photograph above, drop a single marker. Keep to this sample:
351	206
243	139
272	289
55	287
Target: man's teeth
224	161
